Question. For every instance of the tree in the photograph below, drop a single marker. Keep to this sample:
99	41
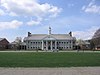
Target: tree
18	41
96	39
92	45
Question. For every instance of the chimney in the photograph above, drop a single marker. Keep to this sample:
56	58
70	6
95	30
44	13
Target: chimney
29	34
70	33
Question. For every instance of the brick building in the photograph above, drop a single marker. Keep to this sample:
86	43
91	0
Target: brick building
4	43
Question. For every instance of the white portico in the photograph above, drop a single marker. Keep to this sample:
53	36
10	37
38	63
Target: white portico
49	41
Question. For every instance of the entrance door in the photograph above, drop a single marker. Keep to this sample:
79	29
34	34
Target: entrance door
49	45
49	48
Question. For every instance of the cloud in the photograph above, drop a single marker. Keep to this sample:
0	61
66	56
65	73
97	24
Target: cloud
86	34
1	12
10	25
32	22
29	8
91	8
70	5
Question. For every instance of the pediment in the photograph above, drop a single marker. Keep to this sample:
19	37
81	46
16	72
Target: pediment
49	37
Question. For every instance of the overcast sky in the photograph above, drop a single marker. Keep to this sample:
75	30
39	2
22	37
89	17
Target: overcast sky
17	17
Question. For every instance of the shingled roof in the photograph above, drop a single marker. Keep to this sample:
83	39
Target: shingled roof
45	36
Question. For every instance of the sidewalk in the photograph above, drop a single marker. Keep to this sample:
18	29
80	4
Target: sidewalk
51	71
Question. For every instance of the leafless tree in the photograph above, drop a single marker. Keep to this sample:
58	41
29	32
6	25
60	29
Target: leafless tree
96	39
18	41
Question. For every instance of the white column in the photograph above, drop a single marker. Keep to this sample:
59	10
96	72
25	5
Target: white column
70	44
24	47
66	45
42	45
55	45
51	45
46	45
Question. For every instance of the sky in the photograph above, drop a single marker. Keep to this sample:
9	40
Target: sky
17	17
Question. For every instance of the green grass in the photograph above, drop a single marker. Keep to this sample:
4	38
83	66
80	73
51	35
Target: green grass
48	59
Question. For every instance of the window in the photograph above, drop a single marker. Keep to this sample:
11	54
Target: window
28	47
45	42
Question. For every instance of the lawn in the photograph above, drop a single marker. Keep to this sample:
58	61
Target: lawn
48	59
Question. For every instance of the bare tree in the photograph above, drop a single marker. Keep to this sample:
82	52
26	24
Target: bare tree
96	39
18	41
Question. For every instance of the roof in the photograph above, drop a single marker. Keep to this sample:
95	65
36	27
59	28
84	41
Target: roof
1	39
23	43
35	37
82	42
13	43
62	36
49	37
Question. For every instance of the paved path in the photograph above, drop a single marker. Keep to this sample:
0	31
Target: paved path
51	71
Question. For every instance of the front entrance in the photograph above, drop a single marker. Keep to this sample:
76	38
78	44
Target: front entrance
49	48
49	45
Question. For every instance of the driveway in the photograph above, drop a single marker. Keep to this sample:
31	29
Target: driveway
51	71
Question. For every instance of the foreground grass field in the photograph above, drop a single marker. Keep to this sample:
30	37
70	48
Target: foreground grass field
49	59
